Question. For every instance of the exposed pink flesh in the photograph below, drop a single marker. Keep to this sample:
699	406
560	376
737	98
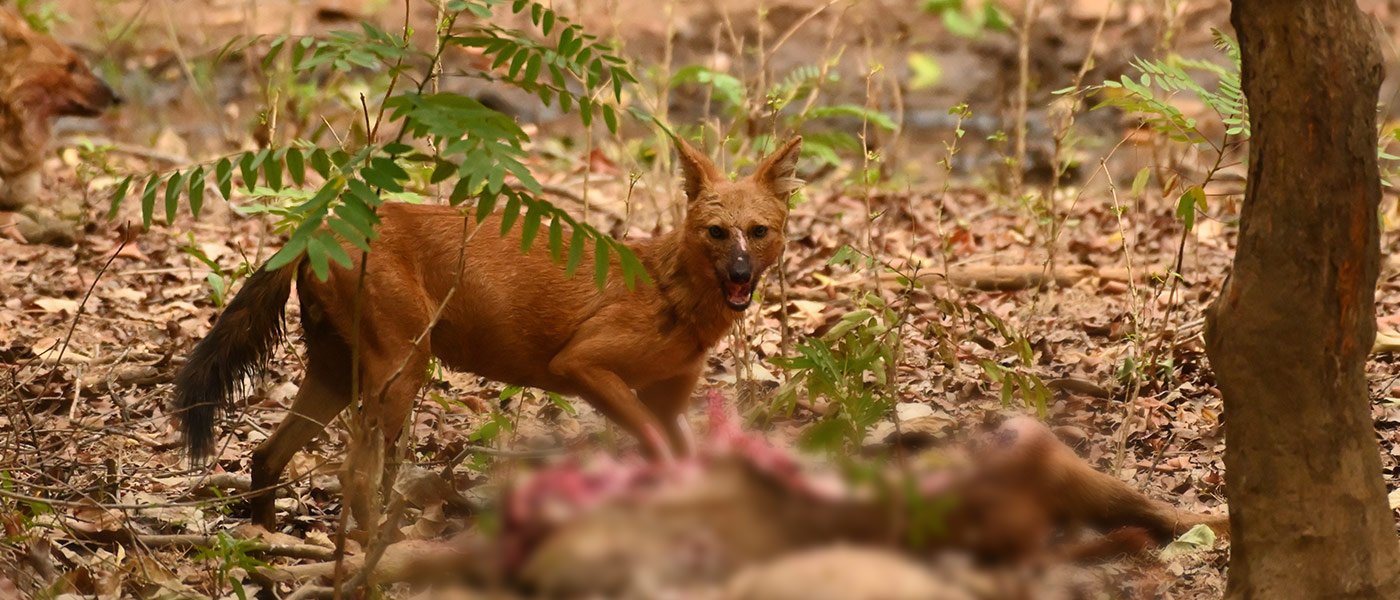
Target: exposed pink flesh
554	494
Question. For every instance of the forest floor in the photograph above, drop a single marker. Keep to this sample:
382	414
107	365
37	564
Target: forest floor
91	334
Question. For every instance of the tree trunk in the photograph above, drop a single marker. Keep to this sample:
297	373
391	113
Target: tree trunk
1289	335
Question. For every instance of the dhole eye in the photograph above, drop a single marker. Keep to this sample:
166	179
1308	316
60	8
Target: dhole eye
73	67
718	232
758	232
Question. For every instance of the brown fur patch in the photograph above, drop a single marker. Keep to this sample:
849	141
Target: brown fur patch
40	79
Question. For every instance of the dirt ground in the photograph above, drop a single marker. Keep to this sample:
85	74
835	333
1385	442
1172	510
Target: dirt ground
90	335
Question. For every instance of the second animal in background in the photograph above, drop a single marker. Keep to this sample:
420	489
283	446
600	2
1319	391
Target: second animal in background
40	79
516	318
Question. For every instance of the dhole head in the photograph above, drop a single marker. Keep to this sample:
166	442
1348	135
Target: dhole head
45	78
735	228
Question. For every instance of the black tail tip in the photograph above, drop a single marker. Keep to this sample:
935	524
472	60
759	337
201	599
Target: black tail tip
199	445
197	404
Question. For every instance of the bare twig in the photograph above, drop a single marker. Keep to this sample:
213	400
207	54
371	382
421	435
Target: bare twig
1030	9
1063	124
68	336
91	503
129	149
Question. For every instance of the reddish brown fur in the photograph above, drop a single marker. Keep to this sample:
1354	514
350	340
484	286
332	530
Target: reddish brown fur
516	318
574	530
1026	484
40	79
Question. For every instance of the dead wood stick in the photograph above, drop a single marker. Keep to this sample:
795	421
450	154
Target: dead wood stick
203	485
312	590
1005	278
128	537
306	551
1010	278
1386	342
1082	387
401	561
175	160
232	481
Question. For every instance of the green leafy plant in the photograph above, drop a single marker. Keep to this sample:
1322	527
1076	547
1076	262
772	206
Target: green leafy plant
525	394
1013	372
1390	162
1148	94
969	21
791	103
42	15
1216	85
1197	539
852	366
314	85
498	424
1011	363
927	516
230	555
322	196
848	366
220	280
925	71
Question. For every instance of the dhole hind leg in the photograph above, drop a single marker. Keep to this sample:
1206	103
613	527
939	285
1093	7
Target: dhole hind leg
324	392
394	371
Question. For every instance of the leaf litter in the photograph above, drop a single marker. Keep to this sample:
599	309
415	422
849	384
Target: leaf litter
92	463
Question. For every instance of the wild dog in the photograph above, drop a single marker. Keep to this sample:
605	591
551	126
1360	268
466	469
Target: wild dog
40	79
634	355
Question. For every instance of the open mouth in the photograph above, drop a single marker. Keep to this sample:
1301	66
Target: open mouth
93	104
83	108
738	295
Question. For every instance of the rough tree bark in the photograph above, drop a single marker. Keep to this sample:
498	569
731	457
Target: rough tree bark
1289	335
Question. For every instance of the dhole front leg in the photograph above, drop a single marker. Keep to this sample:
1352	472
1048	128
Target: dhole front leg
608	393
668	400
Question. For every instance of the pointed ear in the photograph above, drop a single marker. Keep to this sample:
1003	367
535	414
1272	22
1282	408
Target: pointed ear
697	171
778	172
13	29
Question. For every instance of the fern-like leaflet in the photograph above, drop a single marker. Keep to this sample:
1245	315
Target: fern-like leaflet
326	197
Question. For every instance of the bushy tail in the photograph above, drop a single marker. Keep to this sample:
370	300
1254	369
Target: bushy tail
237	348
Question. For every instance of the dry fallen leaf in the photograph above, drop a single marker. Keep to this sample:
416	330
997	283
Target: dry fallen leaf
1386	342
57	305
